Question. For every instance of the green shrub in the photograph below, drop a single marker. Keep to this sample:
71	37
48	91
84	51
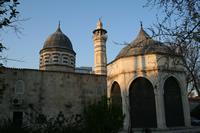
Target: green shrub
104	117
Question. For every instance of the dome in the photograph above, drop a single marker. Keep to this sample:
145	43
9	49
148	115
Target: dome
143	44
58	40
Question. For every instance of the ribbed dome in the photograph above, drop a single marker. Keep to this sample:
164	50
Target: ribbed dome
58	40
143	44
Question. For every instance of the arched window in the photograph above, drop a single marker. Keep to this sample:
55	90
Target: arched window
116	94
173	103
99	90
19	87
142	104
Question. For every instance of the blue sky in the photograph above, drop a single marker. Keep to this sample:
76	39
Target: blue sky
78	19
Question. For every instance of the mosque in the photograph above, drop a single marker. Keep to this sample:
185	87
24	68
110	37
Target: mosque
143	79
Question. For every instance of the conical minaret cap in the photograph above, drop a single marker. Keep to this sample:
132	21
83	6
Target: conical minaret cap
99	25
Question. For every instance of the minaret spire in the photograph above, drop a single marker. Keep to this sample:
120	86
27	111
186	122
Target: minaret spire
100	18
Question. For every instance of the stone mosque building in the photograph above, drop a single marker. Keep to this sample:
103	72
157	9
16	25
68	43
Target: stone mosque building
143	79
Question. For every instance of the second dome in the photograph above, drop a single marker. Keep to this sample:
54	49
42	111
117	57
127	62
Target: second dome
58	40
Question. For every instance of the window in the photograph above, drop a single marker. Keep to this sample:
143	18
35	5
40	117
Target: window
19	87
55	57
56	54
99	90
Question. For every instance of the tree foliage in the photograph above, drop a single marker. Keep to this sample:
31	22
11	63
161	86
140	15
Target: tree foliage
39	123
9	15
2	84
180	30
104	117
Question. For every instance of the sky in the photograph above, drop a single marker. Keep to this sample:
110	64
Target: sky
78	19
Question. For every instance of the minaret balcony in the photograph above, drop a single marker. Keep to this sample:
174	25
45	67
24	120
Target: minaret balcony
98	37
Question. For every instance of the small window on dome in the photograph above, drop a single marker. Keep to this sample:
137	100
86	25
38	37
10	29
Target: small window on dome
56	54
47	54
19	87
65	55
50	59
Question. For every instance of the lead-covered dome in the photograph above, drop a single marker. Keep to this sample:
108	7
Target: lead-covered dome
143	44
58	40
57	53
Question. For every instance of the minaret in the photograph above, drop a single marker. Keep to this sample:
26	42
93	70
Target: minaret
100	59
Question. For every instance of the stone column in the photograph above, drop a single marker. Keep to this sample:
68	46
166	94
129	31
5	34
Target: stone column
186	110
160	110
126	111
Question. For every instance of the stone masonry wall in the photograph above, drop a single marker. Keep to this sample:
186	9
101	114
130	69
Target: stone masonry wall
50	92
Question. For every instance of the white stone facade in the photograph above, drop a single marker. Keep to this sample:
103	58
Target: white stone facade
156	69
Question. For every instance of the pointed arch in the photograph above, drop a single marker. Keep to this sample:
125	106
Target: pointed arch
116	94
142	104
173	103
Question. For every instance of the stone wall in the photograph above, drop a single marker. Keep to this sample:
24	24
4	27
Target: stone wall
51	92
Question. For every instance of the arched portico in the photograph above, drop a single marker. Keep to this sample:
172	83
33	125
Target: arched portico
116	94
173	103
142	104
142	70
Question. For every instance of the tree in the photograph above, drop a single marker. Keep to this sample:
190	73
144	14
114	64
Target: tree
40	123
104	117
9	17
180	30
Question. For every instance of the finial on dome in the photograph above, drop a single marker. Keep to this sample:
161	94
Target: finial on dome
141	24
58	24
58	30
